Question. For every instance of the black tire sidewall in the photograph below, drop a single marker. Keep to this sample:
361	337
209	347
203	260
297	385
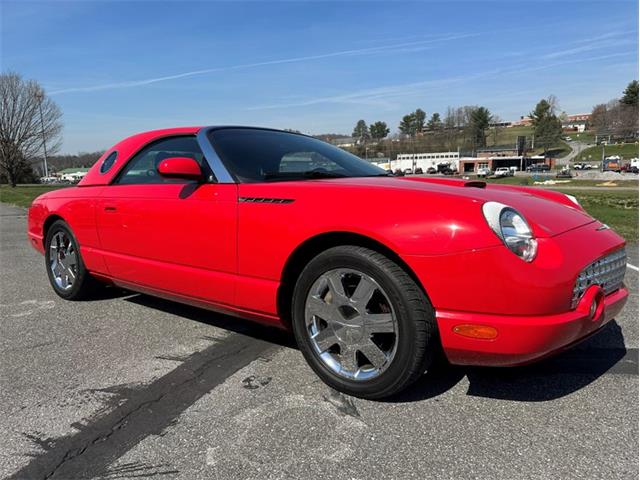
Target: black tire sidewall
396	373
80	286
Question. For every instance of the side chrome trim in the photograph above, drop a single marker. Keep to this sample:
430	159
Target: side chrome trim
264	200
217	167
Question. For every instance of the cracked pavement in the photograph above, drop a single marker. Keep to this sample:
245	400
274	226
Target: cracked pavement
129	386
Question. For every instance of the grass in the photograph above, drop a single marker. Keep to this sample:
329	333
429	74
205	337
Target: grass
23	195
594	154
555	152
618	209
508	136
584	137
529	180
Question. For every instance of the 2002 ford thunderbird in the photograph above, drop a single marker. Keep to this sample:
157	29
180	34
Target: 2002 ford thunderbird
372	273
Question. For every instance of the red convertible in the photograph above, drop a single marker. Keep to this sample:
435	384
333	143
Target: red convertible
374	274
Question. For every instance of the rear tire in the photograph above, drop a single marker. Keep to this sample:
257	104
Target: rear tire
362	323
67	273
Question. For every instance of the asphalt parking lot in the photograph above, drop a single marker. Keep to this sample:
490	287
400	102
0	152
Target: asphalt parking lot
130	386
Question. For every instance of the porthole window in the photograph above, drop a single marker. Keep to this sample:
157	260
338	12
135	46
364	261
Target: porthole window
108	162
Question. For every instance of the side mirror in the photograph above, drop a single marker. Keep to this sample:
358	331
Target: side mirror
180	167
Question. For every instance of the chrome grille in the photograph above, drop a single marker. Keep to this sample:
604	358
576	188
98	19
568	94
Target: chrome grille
608	272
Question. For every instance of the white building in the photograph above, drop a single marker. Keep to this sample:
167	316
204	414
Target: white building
424	161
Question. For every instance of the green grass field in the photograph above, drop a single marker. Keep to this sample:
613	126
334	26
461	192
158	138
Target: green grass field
508	136
618	209
530	181
594	154
584	137
23	195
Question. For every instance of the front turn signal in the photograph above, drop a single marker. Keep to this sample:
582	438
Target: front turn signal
482	332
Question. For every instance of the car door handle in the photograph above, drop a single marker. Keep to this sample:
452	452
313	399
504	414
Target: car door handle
109	208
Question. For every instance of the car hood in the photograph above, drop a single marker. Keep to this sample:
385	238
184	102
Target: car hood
549	213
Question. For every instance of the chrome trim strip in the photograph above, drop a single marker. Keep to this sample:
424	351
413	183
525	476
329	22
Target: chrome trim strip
217	167
264	200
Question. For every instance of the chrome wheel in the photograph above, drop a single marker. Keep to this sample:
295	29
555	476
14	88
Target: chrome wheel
63	260
351	324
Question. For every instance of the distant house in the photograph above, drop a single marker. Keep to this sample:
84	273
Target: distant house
578	122
344	142
72	174
523	122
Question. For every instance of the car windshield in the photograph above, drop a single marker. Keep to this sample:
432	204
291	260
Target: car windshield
254	155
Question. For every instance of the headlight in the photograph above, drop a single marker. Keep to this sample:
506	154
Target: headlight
512	229
573	199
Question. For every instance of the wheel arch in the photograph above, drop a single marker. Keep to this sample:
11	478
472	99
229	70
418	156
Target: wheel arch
313	246
50	220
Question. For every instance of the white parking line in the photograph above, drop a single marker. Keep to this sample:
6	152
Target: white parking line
632	267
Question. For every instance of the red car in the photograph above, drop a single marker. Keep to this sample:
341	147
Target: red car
373	273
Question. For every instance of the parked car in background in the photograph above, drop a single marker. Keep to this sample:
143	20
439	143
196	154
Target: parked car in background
408	171
584	166
503	172
371	295
538	167
418	171
484	172
431	170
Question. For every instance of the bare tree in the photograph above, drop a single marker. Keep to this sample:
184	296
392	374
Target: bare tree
28	119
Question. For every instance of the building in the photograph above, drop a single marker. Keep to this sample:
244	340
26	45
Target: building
578	122
425	161
72	174
498	151
521	162
344	142
523	122
579	117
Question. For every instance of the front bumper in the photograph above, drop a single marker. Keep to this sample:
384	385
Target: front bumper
526	307
524	339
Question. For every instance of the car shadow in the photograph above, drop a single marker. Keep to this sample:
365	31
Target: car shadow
227	322
546	380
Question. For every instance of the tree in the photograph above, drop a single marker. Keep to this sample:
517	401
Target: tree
630	95
479	122
22	131
378	130
496	129
547	127
434	124
408	124
361	132
420	118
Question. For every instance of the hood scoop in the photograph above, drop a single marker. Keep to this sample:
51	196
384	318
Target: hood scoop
475	184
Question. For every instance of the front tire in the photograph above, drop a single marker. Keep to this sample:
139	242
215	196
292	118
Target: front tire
67	273
362	323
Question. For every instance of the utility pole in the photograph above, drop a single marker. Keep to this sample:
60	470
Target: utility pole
40	98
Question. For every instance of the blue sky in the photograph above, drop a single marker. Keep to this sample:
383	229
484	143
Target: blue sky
116	68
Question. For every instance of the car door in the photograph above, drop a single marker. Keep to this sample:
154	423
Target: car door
171	235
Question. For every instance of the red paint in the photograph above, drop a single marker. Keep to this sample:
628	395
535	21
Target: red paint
180	167
197	243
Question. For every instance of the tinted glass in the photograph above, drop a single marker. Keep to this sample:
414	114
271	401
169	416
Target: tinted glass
108	162
254	155
143	167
